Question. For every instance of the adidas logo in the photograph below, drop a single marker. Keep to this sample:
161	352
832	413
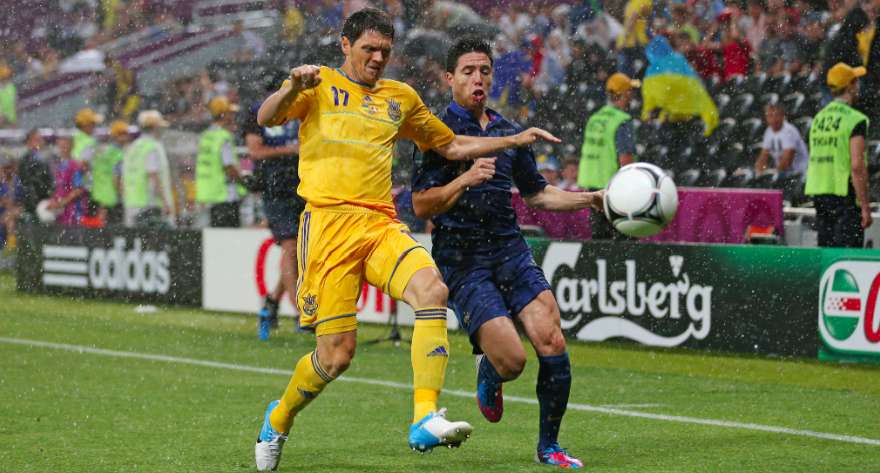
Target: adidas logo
306	394
439	351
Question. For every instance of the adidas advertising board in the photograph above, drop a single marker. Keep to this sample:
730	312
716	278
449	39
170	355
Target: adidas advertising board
145	266
849	310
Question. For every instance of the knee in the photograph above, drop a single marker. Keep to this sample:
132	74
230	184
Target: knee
337	360
551	343
511	366
432	294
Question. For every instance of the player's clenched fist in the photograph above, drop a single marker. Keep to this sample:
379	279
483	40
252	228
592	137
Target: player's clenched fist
481	171
534	134
305	77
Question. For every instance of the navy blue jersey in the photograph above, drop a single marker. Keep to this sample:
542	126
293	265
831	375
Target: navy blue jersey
483	219
278	177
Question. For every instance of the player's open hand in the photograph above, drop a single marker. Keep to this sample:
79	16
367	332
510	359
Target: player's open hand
481	171
532	135
305	77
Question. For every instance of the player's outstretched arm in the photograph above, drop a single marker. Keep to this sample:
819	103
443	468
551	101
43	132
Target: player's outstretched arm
468	147
273	110
438	200
554	198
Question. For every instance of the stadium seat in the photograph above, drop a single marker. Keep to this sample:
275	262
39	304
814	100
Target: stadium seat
688	178
793	103
713	178
755	84
749	130
765	180
769	98
723	133
803	126
739	178
873	152
742	106
731	156
722	101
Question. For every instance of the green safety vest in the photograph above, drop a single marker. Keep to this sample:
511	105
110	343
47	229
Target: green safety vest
830	165
81	141
135	180
103	189
599	153
211	183
8	98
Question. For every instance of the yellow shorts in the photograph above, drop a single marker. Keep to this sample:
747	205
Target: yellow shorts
341	246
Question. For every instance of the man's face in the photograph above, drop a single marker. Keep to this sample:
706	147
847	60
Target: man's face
471	80
550	175
35	141
774	118
121	140
65	145
570	172
368	55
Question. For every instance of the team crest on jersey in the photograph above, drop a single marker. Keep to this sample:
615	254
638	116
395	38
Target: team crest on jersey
368	105
310	304
394	110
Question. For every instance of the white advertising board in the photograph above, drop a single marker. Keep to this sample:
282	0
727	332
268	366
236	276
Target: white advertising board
240	265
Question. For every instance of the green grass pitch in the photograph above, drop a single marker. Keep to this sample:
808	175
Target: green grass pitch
63	410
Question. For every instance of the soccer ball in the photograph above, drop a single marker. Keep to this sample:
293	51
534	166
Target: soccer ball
640	200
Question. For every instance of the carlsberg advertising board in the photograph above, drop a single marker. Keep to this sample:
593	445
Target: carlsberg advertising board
732	298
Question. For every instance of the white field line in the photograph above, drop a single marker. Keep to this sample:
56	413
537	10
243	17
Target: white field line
452	392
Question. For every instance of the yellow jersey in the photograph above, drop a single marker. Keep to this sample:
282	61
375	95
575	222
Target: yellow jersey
347	135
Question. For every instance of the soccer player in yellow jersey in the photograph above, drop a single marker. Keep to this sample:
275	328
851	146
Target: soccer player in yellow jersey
350	120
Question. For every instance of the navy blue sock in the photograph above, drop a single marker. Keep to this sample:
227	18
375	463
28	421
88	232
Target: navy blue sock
554	385
488	374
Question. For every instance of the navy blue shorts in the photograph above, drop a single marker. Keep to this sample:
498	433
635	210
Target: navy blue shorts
482	290
283	217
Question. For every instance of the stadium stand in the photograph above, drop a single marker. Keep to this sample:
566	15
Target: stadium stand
265	38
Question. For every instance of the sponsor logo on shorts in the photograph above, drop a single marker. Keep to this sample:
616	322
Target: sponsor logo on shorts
310	304
848	311
439	351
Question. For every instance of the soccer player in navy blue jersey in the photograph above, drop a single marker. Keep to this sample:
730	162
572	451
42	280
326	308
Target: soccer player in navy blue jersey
493	279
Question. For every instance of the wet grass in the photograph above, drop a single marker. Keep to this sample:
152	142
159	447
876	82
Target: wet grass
82	412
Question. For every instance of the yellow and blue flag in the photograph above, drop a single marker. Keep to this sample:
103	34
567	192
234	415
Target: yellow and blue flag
671	85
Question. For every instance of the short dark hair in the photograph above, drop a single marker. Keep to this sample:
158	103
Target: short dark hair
468	44
31	133
365	20
778	106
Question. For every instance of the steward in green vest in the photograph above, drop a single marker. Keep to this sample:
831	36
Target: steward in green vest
609	143
146	176
8	98
107	174
837	176
84	143
217	171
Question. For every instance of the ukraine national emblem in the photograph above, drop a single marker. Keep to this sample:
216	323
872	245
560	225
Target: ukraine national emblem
310	304
394	110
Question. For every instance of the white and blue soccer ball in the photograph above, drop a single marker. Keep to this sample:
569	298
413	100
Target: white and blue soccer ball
640	200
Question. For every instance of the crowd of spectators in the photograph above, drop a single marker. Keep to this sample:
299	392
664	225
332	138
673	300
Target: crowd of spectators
759	59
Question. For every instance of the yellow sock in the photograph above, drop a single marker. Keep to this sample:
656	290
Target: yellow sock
308	380
430	355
